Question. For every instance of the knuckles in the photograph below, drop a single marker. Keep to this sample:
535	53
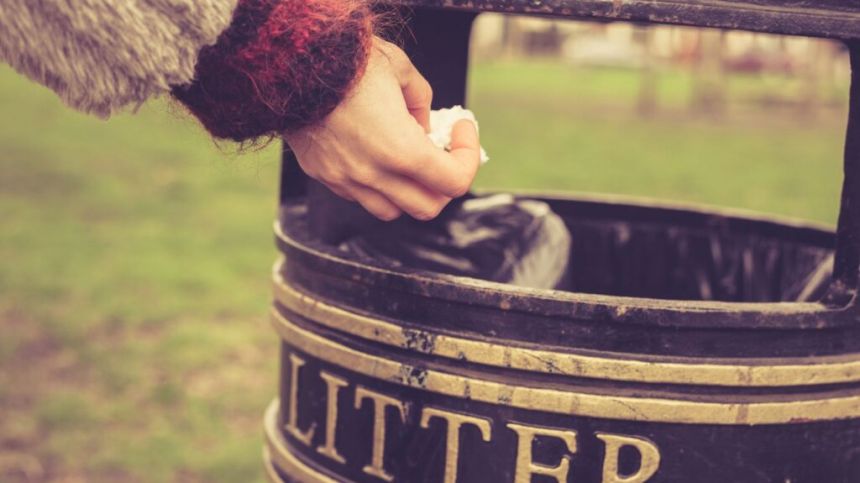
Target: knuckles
388	215
400	160
333	177
460	187
365	176
426	92
429	210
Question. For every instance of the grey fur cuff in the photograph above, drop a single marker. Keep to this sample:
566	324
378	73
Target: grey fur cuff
103	55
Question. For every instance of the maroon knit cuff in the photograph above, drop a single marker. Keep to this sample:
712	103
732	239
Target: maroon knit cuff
281	65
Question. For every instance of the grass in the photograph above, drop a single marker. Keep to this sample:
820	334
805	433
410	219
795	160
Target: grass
134	288
568	129
135	253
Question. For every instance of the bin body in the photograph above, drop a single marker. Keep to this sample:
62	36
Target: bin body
407	376
695	345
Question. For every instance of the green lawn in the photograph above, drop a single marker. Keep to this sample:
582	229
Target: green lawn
135	253
552	127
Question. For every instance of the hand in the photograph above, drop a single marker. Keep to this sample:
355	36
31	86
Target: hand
373	147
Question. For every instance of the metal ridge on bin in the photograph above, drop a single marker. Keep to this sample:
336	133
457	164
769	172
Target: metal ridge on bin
396	374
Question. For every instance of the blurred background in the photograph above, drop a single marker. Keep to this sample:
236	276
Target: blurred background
135	253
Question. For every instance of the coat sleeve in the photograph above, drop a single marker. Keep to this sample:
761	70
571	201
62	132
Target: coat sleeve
281	66
102	55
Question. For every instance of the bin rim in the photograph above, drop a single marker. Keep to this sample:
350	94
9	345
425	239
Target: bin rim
609	308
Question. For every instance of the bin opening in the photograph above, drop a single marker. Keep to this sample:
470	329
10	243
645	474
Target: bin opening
497	238
717	262
608	248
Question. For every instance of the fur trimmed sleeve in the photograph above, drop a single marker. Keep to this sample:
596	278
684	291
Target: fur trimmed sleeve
103	55
281	66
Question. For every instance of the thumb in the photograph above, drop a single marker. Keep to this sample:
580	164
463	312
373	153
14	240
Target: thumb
465	142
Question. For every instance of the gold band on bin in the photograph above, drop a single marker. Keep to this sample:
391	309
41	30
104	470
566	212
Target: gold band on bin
676	370
841	405
276	454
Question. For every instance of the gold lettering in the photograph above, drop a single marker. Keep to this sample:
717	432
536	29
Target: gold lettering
305	437
455	420
526	467
648	451
380	403
333	385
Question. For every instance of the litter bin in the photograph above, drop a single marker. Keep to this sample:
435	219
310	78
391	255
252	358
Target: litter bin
695	345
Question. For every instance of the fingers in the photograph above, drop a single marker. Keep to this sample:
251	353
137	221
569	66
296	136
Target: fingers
448	173
417	177
374	202
465	144
375	152
417	92
371	199
342	192
391	195
418	95
412	198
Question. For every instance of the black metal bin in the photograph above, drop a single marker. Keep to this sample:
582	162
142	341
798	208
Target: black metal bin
402	375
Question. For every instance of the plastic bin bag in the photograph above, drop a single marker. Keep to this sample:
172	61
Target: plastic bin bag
497	238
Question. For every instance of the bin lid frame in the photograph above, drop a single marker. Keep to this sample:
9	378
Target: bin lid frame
837	19
834	19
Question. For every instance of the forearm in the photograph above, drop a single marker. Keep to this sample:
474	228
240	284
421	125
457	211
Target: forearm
277	65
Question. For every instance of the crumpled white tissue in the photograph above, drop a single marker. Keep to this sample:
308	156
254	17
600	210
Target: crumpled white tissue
442	125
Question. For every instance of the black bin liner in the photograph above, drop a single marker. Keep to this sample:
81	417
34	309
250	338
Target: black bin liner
674	261
496	238
596	247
